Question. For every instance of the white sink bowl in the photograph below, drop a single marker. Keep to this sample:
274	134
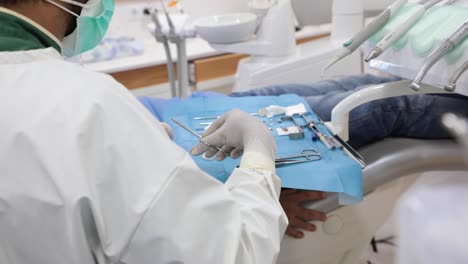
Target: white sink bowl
228	28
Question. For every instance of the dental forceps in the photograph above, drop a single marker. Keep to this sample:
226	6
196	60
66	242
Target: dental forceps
200	138
307	155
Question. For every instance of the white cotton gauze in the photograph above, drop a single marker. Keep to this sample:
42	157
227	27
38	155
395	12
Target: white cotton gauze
271	111
274	110
295	109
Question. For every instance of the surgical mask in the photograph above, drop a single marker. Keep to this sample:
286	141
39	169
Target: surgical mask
91	26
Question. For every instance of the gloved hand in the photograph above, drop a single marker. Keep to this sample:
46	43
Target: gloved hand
237	132
168	129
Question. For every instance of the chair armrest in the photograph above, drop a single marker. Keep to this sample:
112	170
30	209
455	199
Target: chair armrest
394	158
340	114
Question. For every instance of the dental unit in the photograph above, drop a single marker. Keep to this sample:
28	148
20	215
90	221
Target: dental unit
357	40
393	36
447	45
162	38
170	28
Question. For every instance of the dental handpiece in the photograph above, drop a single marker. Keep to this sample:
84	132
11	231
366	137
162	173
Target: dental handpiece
356	41
451	85
450	2
400	30
447	45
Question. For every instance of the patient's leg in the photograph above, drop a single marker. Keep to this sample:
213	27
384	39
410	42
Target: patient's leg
413	116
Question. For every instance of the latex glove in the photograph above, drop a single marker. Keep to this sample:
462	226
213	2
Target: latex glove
299	216
237	132
168	129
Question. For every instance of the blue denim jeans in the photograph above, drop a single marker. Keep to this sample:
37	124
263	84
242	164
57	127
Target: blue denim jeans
413	116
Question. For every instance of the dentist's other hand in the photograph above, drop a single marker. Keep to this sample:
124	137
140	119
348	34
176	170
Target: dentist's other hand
237	132
299	216
168	129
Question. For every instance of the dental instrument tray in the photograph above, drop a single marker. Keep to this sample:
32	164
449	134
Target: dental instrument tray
430	50
303	163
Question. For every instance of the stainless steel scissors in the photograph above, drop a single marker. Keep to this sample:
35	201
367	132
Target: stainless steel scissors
307	155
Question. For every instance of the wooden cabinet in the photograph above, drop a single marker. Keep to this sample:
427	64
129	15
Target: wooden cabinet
204	69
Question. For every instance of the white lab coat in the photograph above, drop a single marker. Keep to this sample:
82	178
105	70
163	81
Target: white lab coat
88	175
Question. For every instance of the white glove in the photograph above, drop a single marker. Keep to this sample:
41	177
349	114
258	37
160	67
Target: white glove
237	132
168	129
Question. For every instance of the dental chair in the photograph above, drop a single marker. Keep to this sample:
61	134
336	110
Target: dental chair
392	166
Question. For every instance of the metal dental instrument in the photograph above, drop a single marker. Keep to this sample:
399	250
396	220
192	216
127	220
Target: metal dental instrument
215	117
447	45
334	143
401	29
307	155
200	138
352	153
355	42
450	86
206	117
161	37
315	130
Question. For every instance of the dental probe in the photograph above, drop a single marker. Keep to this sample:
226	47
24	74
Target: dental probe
447	45
451	84
356	41
400	30
200	138
350	151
